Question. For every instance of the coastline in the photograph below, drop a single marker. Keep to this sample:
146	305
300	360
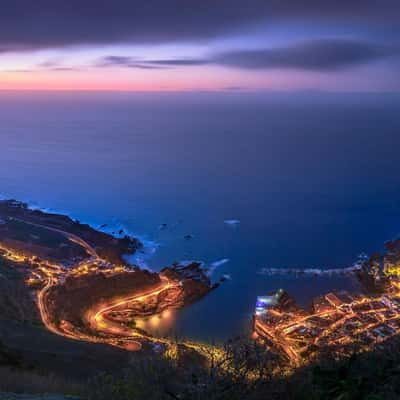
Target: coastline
110	228
59	282
86	292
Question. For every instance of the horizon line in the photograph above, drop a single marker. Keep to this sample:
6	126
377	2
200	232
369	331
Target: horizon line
188	91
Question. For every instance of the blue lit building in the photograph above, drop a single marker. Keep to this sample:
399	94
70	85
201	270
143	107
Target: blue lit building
265	302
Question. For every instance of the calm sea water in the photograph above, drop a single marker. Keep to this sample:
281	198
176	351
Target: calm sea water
313	178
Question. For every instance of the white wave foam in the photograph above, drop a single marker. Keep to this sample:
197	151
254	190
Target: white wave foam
232	222
144	254
309	271
218	263
141	257
214	265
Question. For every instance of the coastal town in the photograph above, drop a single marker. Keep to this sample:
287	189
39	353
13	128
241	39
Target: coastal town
85	291
338	323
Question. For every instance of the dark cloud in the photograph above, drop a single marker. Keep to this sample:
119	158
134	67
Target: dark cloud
111	61
65	69
234	88
131	62
55	65
28	24
328	54
49	64
313	55
127	62
179	62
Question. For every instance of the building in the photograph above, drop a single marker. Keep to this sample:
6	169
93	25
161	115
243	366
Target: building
264	303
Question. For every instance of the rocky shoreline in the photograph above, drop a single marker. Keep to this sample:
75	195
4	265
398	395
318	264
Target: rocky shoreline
107	246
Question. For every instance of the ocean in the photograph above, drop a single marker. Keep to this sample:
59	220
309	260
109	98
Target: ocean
257	180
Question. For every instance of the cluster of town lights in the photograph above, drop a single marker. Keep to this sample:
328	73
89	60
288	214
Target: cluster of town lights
45	275
294	332
300	335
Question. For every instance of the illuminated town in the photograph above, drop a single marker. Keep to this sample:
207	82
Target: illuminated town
85	296
339	323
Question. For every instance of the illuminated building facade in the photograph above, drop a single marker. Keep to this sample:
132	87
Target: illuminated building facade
263	303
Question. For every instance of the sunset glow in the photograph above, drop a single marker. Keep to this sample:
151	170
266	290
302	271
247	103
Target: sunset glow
262	47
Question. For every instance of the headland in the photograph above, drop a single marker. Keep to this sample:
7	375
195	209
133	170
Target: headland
84	289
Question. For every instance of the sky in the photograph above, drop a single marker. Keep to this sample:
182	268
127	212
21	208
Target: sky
189	45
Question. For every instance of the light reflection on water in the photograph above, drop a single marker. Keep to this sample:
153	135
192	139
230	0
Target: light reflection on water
159	325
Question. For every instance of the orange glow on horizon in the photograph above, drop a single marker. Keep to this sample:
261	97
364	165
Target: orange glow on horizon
193	78
15	81
171	80
98	80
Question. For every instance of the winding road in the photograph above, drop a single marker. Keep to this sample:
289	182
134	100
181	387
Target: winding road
110	332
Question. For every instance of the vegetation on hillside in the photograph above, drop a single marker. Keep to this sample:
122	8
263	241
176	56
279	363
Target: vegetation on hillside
255	375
